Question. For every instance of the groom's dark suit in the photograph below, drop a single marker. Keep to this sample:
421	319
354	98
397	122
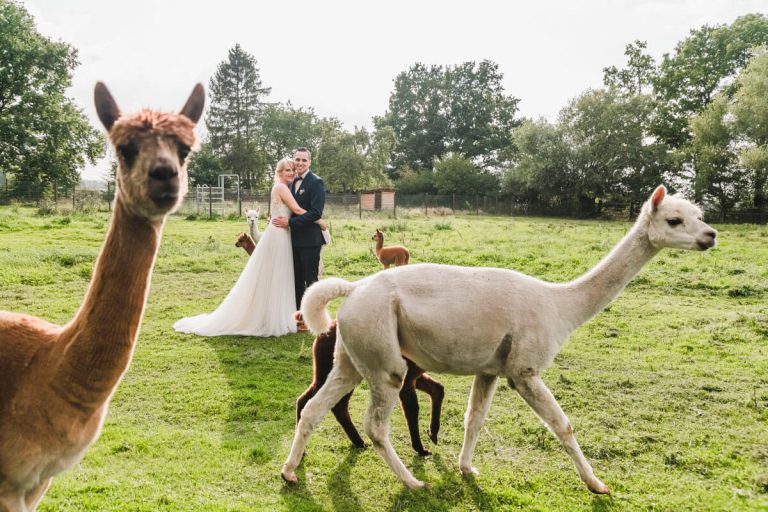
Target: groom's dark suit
306	237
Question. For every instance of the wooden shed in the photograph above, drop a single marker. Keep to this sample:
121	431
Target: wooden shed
381	199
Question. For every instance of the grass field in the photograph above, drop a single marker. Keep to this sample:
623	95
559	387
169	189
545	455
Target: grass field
667	389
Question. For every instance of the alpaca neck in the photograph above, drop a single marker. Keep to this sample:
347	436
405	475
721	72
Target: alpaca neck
379	245
580	300
255	234
98	343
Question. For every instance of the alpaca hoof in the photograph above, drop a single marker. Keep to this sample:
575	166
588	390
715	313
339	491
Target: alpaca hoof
433	436
289	476
470	471
361	445
598	487
415	484
424	452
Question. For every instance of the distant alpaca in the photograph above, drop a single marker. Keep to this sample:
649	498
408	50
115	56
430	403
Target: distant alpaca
416	378
514	328
56	381
245	241
392	255
252	216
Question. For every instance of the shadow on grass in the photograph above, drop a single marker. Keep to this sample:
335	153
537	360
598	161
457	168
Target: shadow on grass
265	376
451	491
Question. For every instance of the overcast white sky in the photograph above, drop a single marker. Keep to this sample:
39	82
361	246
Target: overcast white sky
341	57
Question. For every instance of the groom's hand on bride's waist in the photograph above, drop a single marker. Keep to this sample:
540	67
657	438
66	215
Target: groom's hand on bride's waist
280	222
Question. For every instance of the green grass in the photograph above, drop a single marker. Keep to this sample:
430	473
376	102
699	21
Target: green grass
667	389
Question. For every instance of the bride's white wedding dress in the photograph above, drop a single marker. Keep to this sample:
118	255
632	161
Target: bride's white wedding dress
263	299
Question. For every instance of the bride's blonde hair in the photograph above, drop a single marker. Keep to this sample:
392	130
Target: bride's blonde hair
281	166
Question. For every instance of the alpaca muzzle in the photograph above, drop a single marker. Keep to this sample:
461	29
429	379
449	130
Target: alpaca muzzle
163	185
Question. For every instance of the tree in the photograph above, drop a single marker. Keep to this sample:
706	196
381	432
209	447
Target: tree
717	174
702	65
44	138
455	109
205	167
284	129
235	116
638	76
350	161
612	155
456	174
543	170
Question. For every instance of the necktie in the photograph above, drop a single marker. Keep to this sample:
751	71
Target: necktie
297	184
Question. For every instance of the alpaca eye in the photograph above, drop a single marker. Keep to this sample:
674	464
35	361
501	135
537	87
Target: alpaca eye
674	222
183	151
128	152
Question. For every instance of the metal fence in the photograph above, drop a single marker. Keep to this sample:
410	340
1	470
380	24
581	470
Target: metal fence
215	202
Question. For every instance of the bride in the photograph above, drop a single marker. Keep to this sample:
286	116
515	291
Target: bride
262	301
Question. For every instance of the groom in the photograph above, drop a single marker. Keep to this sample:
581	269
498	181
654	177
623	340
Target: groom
306	237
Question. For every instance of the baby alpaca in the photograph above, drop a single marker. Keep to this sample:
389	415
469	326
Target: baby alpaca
520	325
56	381
245	241
416	378
392	255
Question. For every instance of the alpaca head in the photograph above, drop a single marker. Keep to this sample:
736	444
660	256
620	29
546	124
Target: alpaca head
676	223
152	149
378	235
252	216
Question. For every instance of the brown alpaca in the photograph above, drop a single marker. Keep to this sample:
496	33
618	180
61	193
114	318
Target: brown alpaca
56	381
246	241
392	255
322	362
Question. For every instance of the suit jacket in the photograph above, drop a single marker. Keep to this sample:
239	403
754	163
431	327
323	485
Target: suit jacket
311	196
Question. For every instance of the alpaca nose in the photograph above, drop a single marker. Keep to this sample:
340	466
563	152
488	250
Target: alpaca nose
711	233
163	182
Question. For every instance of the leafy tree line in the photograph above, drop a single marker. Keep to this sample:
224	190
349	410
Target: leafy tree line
697	120
44	138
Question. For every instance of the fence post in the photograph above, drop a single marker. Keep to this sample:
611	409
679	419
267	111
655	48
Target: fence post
394	205
360	204
453	203
210	202
426	204
477	205
74	196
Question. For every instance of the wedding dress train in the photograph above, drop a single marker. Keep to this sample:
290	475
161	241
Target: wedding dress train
262	301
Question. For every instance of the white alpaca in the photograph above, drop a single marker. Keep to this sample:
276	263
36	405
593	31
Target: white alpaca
252	216
485	322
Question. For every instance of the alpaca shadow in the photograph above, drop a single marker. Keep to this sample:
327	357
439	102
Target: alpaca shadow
450	492
603	503
339	486
297	496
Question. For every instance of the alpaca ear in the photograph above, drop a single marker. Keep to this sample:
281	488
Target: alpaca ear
193	108
105	105
658	196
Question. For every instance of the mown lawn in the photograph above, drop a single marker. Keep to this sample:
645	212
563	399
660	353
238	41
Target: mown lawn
667	389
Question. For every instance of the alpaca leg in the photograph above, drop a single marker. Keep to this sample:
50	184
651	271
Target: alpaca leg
539	397
13	504
480	397
385	388
341	412
305	397
410	404
35	495
436	391
343	379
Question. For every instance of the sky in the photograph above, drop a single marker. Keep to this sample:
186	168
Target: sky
341	57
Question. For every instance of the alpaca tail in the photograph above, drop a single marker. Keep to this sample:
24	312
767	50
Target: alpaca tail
314	305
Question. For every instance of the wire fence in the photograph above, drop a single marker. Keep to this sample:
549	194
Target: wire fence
232	203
